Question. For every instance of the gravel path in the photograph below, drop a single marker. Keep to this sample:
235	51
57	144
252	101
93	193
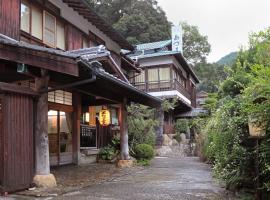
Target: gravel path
166	179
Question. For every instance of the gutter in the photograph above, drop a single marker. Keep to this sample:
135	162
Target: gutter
91	80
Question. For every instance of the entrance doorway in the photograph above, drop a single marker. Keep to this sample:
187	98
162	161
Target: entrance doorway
60	137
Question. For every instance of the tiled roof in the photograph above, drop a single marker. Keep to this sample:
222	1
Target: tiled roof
9	41
87	55
153	45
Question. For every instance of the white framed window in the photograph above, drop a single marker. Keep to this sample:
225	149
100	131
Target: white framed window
25	17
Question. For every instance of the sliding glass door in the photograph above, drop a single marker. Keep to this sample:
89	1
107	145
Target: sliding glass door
60	137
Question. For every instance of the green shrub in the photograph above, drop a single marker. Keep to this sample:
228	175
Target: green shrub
143	162
181	126
144	151
106	153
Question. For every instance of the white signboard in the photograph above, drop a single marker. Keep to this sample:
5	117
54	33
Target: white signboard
177	41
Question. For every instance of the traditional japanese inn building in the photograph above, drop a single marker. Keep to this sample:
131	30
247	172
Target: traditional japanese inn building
61	71
166	74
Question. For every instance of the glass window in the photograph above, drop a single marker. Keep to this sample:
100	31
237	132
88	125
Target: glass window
164	74
49	29
153	75
25	17
60	36
114	116
36	25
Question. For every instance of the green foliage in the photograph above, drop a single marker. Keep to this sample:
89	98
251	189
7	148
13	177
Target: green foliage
210	75
143	21
141	126
143	162
106	153
139	21
144	152
225	136
229	59
195	45
181	126
169	104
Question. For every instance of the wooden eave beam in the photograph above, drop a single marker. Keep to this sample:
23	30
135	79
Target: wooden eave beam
12	88
39	59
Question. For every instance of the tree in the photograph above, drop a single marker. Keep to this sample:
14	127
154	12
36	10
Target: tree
210	76
195	45
139	21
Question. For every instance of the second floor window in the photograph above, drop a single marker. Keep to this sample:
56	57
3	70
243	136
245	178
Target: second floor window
49	34
159	74
42	25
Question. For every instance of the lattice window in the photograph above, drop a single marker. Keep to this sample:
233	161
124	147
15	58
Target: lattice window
61	97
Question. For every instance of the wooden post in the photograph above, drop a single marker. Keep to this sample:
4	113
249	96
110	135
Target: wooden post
43	178
124	131
76	126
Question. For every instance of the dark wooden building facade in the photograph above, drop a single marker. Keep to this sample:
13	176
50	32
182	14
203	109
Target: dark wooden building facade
60	63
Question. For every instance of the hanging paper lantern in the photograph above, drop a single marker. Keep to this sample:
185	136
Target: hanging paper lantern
104	117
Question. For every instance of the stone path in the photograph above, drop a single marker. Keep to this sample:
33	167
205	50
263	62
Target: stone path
166	179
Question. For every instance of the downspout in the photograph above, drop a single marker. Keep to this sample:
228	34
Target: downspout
86	81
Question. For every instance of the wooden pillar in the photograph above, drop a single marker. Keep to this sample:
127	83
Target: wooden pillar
41	129
159	115
76	126
43	178
124	131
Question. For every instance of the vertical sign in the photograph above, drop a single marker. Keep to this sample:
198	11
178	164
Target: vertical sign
177	43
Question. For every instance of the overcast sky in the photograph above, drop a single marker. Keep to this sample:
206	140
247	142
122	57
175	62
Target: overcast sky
227	23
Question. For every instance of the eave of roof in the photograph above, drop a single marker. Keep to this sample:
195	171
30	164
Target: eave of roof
153	45
88	55
84	9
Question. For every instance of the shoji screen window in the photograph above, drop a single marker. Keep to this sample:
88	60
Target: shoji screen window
49	29
153	75
60	36
164	74
36	22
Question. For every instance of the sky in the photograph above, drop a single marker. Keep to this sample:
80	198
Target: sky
227	23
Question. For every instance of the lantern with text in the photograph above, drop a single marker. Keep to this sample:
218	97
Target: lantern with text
104	117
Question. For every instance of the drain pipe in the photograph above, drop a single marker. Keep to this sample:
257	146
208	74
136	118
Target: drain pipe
92	65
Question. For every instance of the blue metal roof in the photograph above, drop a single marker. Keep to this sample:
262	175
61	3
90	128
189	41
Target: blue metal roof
153	45
156	54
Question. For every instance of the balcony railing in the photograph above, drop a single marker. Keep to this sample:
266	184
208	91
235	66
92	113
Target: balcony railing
159	86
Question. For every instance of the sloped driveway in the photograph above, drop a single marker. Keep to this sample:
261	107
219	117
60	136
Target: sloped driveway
166	179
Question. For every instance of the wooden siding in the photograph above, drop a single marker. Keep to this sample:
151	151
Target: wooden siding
74	38
10	18
16	142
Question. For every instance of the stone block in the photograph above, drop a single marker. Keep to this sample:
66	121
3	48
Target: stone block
45	181
125	163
